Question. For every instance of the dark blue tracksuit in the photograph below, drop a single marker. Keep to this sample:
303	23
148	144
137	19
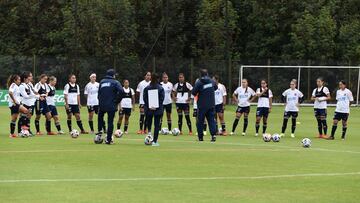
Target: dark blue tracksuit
157	113
205	89
110	93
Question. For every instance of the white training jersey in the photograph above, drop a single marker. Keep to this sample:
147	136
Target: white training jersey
41	89
50	99
32	89
292	99
219	94
140	88
92	90
126	101
182	92
168	88
244	95
343	98
264	100
27	94
14	89
320	93
72	91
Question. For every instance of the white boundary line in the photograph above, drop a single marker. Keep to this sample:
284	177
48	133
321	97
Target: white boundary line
182	178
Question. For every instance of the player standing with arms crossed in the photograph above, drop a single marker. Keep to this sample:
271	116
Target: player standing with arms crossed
220	102
243	95
72	103
182	94
265	96
140	92
292	97
126	106
320	96
344	98
168	88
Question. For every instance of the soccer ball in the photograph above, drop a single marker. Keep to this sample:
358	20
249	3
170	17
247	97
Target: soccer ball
266	137
275	137
24	133
164	131
148	139
74	133
98	139
118	133
176	131
306	142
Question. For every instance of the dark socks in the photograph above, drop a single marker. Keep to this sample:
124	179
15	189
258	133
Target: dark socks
169	124
293	125
343	132
324	126
91	125
37	125
246	122
180	122
236	122
284	126
118	125
80	125
333	130
257	126
69	125
58	127
141	121
264	127
188	122
319	126
223	126
125	127
48	125
12	127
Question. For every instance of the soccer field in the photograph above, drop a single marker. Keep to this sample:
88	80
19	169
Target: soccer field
234	169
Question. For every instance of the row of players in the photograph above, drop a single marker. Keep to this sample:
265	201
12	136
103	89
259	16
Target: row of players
24	99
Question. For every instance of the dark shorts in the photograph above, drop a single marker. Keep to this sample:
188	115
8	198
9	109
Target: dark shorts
182	107
168	108
262	112
219	108
73	109
53	110
41	107
288	114
320	112
125	111
15	109
30	109
195	113
245	109
341	116
93	109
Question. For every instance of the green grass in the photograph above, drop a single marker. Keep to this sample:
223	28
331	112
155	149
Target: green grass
249	170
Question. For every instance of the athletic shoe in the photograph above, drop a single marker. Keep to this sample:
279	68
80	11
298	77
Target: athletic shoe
170	133
109	143
256	134
232	133
12	135
39	133
140	132
126	132
84	132
243	134
155	144
190	133
330	138
145	132
51	133
324	137
282	135
320	136
201	139
213	139
205	133
292	135
61	132
343	139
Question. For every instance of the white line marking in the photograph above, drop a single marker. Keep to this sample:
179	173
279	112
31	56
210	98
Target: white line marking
50	150
183	178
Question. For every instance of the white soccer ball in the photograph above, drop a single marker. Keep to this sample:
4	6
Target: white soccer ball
306	142
24	133
74	133
165	131
148	140
266	137
98	139
176	131
118	133
275	137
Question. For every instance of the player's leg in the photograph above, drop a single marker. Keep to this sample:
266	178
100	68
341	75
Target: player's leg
14	117
187	117
121	116
78	120
91	113
257	122
318	119
169	121
69	116
100	121
141	120
200	119
210	114
156	129
180	117
334	127
236	120
293	123
344	124
110	128
126	123
284	125
265	118
48	117
323	121
149	121
246	122
222	121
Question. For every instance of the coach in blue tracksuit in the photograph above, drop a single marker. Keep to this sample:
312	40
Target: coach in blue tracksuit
205	89
155	113
110	93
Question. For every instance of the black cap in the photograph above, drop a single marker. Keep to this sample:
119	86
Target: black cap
111	72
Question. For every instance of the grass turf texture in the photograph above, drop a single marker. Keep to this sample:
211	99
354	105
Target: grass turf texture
62	169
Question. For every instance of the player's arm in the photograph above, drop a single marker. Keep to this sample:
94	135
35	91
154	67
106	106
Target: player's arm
66	91
11	95
270	103
133	100
78	96
190	87
235	97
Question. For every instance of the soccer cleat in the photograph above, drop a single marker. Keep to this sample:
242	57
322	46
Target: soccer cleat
109	142
92	132
84	132
51	133
170	133
145	132
140	132
201	139
39	133
205	133
324	137
213	139
126	132
232	133
330	138
282	135
320	136
12	135
155	144
256	134
292	135
190	133
61	132
243	134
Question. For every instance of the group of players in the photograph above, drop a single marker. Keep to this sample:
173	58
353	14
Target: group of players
25	99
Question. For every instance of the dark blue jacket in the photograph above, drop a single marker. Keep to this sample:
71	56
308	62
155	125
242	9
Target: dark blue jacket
161	93
110	93
205	89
